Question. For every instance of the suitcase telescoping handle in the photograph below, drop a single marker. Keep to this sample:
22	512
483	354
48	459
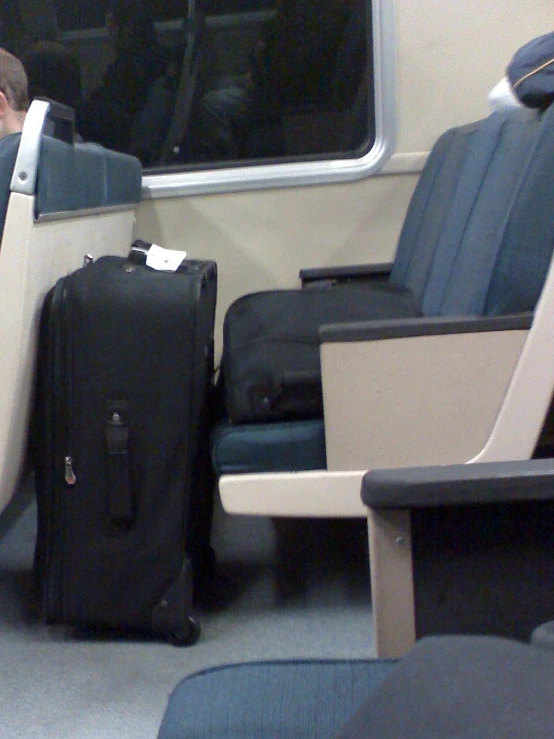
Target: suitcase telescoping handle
120	502
138	252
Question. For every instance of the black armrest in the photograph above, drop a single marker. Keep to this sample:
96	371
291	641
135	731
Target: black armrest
459	484
409	327
345	273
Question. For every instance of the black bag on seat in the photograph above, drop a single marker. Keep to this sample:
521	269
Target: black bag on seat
123	476
271	367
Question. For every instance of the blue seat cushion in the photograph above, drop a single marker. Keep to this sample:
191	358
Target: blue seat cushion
271	700
269	447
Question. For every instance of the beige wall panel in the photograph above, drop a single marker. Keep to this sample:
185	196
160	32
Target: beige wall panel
450	54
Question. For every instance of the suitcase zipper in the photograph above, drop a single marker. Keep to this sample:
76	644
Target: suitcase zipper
70	478
62	481
61	405
69	474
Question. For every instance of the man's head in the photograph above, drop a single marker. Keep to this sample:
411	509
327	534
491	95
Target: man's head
14	97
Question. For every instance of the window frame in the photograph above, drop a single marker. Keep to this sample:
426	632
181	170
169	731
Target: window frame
295	174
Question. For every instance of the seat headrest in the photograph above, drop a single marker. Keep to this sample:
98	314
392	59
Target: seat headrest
531	72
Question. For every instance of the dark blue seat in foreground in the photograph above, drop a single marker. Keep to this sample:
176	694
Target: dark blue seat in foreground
478	543
446	688
477	552
271	700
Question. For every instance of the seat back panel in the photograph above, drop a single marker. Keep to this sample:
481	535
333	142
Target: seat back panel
427	208
473	229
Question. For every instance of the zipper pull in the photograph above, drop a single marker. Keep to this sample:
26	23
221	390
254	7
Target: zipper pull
69	475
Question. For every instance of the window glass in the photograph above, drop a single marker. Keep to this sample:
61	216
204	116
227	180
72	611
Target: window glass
75	16
208	84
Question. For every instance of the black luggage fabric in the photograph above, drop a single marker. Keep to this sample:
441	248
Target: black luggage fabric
124	485
271	366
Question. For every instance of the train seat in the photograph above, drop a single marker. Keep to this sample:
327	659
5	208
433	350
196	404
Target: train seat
253	448
462	686
468	380
59	202
460	549
461	558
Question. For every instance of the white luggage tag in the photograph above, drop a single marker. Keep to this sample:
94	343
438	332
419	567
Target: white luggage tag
164	260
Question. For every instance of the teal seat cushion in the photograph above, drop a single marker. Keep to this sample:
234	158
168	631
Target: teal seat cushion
269	447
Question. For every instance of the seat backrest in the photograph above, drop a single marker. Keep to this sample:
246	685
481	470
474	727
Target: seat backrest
428	207
84	176
528	242
454	230
474	229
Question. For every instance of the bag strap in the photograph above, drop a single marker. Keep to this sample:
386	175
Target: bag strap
120	507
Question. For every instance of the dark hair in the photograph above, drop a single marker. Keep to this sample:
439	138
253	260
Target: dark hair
13	81
53	72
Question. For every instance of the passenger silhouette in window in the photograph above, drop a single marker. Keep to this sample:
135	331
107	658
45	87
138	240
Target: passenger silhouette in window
292	67
107	116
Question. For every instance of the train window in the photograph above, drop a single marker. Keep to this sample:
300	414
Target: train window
212	92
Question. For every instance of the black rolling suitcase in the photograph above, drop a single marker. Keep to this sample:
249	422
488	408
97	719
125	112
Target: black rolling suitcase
124	488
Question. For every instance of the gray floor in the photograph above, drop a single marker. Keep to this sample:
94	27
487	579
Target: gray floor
293	589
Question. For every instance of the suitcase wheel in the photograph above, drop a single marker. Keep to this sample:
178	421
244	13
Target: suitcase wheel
186	639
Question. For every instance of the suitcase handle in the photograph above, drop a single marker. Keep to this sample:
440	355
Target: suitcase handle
120	502
138	255
138	252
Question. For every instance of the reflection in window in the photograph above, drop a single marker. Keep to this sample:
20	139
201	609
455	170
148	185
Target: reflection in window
297	92
217	82
75	16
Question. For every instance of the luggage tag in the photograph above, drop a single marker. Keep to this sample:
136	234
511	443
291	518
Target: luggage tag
166	260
